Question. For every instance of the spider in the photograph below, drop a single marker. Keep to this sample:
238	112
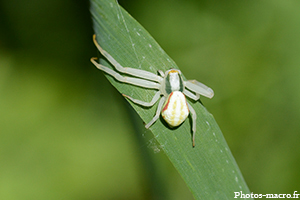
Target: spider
170	85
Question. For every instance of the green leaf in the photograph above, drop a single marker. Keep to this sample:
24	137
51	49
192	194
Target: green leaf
209	169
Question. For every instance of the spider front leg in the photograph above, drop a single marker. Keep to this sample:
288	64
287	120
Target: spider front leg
199	88
127	70
189	94
129	80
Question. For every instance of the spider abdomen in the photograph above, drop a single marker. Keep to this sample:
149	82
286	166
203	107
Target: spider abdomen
175	109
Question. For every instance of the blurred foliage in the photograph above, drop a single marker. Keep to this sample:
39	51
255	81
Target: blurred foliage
65	132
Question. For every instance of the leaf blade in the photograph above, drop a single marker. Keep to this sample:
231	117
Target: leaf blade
209	169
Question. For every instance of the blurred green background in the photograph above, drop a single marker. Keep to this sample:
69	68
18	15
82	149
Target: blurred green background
65	133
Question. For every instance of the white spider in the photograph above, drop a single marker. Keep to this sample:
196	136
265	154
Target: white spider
173	105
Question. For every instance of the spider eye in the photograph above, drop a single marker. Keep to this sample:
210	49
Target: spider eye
174	71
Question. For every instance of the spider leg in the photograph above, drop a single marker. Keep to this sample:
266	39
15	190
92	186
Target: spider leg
127	70
194	117
189	94
129	80
199	88
162	74
143	103
159	107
